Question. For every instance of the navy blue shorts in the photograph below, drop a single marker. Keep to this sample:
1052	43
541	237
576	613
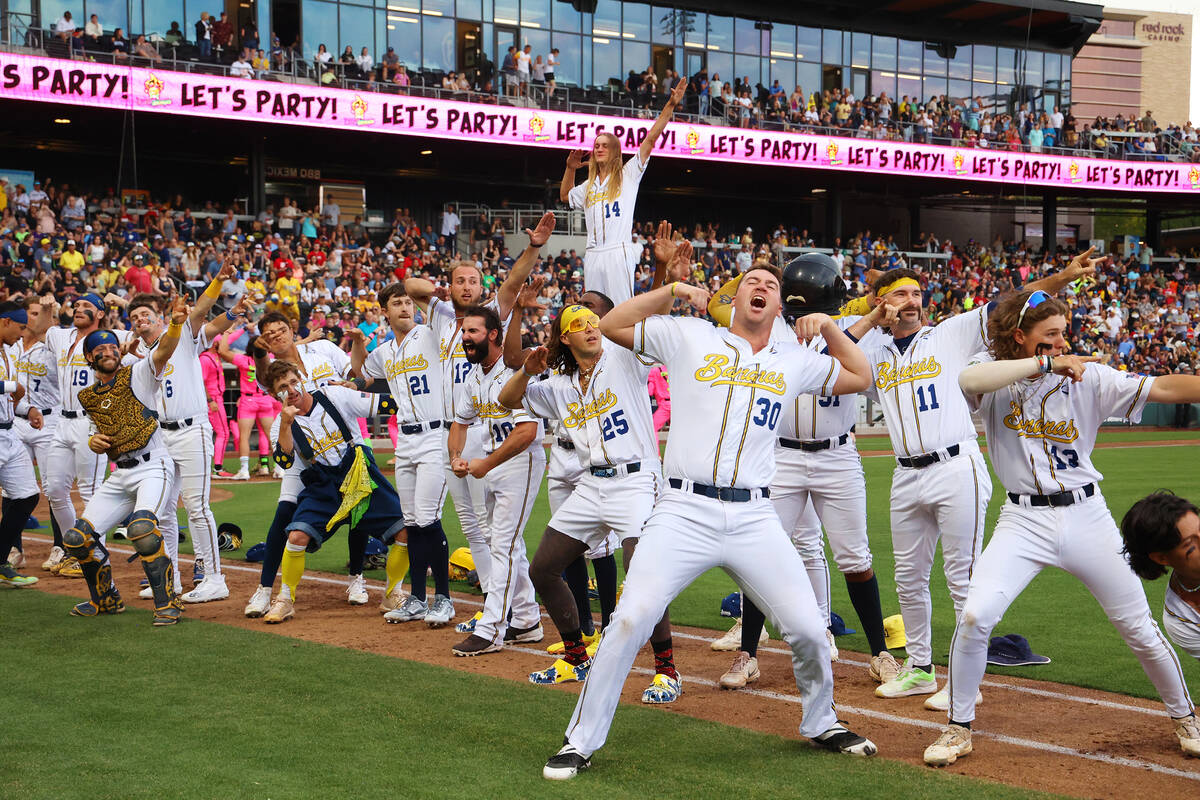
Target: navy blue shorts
322	497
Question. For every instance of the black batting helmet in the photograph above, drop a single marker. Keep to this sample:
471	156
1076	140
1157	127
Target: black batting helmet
812	284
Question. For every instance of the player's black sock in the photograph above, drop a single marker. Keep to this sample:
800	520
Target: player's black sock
276	541
664	660
418	559
753	621
925	667
439	557
966	725
864	597
58	540
576	576
12	521
357	542
606	584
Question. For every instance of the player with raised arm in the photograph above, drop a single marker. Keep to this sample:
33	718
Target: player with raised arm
409	362
445	317
1041	411
716	511
120	405
607	198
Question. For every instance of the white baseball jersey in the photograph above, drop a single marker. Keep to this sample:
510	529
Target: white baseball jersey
8	372
183	395
810	417
74	373
324	362
145	384
609	215
321	430
455	367
609	424
917	385
37	371
1182	622
412	367
755	387
478	403
1040	432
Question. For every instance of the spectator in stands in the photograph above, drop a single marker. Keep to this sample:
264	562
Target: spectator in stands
174	36
508	69
551	67
93	32
261	64
249	35
240	68
524	62
204	38
390	65
323	60
537	71
349	64
222	33
64	29
401	80
143	49
330	215
365	64
120	45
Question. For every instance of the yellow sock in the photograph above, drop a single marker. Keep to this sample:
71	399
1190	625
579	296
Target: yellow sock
292	569
396	565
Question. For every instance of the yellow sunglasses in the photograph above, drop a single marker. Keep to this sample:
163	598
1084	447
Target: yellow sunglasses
581	323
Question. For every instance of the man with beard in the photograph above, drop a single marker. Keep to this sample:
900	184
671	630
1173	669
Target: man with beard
69	460
120	404
446	319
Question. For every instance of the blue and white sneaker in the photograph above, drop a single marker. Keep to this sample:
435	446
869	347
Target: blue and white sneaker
561	672
663	689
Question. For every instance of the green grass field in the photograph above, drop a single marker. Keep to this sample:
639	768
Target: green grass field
225	712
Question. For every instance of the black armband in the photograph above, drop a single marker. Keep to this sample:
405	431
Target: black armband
285	460
387	405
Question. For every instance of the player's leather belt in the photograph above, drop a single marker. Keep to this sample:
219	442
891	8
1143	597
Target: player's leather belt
46	411
421	427
922	461
176	425
566	444
74	414
4	426
1057	499
130	463
619	469
812	447
724	493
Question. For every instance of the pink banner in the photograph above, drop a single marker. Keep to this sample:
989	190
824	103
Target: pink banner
163	91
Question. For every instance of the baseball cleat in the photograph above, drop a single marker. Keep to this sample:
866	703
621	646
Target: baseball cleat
732	640
561	672
663	689
469	625
841	740
744	670
16	558
1188	731
565	764
953	744
910	681
411	610
530	635
89	609
441	611
591	641
211	588
356	591
263	471
475	646
259	603
940	701
57	554
834	655
884	667
282	609
146	593
242	474
11	579
393	600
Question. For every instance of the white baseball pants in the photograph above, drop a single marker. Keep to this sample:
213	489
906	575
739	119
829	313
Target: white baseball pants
70	462
421	476
468	496
191	449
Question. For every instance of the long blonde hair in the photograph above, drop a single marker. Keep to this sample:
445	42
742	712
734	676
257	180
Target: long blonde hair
615	170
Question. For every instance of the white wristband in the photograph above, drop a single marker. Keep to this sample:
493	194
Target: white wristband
10	387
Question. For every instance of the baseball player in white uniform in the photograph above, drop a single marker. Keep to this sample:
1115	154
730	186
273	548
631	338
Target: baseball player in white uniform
512	466
120	406
716	510
69	460
16	467
183	418
410	363
445	318
1162	533
322	362
1041	411
37	372
607	198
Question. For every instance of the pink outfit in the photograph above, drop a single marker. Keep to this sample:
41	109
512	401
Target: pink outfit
661	392
254	403
214	387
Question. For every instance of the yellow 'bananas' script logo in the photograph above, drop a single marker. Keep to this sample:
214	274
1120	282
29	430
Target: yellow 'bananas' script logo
579	413
1062	431
890	377
717	372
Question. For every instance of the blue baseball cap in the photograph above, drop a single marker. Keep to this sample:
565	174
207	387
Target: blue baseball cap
731	606
99	338
1013	650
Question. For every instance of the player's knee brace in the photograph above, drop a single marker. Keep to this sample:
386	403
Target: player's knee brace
143	532
81	536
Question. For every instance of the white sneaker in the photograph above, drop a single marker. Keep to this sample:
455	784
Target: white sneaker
146	594
732	640
910	681
57	554
356	592
940	701
242	474
393	600
260	601
1188	731
884	667
833	651
277	472
16	558
953	744
744	670
211	588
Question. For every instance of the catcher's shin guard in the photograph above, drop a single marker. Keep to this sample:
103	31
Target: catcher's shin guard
143	532
81	543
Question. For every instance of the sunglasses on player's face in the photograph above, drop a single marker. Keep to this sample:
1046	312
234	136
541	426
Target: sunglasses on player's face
1035	300
582	323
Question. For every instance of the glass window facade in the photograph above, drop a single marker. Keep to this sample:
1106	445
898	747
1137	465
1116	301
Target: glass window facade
621	35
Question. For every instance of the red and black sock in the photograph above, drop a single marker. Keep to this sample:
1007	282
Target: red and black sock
664	662
575	651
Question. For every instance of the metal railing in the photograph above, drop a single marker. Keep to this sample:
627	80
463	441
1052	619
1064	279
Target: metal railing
514	219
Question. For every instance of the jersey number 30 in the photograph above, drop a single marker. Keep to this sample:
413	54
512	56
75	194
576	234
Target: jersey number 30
768	413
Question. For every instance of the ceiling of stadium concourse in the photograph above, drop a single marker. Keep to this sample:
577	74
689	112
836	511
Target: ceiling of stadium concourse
1045	24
